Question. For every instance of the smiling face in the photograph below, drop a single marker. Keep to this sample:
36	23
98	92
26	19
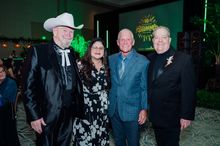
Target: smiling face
97	50
161	39
63	36
125	41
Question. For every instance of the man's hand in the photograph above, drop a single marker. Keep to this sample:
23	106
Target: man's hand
37	125
142	117
184	123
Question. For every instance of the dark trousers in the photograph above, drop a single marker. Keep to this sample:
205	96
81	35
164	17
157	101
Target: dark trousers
8	129
125	131
59	132
167	136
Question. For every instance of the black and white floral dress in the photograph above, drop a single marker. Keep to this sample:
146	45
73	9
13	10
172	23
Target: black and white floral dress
94	130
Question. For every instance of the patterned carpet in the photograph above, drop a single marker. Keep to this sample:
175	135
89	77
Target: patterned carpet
205	130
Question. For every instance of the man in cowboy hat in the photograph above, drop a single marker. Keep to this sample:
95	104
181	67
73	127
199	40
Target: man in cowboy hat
52	87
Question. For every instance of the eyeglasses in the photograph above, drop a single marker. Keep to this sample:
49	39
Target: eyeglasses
2	71
98	48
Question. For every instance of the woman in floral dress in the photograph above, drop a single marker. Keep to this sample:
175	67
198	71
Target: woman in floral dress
94	71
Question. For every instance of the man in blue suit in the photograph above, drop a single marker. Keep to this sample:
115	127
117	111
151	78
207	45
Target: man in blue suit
128	94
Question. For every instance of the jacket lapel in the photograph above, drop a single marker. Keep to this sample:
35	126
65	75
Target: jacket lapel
129	65
116	72
151	68
73	61
54	62
166	65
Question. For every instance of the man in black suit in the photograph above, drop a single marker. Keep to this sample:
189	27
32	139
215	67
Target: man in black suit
52	86
171	89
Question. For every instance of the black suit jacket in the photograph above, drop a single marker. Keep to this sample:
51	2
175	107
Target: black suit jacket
172	95
43	87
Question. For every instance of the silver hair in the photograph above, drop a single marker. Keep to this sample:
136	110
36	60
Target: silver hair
161	27
119	34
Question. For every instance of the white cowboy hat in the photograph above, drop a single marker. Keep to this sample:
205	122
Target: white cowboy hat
64	19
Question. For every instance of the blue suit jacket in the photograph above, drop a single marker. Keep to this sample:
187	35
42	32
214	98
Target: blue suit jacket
129	93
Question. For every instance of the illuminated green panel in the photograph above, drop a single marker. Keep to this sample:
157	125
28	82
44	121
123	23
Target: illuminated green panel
205	16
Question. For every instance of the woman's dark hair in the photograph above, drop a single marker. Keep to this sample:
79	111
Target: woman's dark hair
87	64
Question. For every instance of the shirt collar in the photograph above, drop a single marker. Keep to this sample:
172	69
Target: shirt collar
130	54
